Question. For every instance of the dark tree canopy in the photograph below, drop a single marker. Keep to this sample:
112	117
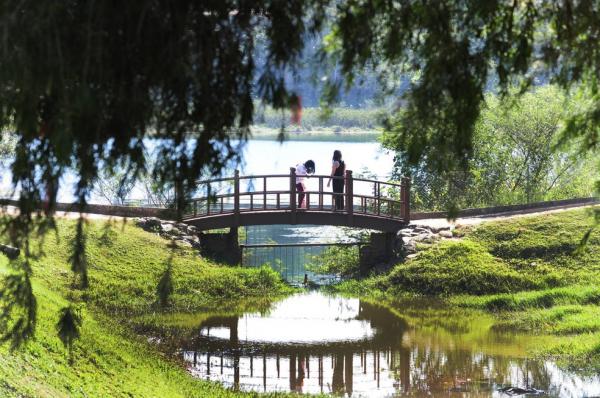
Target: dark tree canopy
82	83
456	49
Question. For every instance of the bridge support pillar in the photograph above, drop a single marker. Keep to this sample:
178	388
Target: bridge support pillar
383	248
223	247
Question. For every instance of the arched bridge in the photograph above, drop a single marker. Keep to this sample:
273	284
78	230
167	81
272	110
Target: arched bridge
273	199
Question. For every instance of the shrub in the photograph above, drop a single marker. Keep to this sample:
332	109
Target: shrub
463	268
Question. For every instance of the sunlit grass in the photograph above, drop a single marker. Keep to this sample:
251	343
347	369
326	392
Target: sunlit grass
109	359
529	272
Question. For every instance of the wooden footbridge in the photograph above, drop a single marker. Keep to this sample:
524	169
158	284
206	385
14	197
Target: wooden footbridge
273	199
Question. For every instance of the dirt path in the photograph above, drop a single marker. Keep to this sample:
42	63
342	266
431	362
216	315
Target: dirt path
442	222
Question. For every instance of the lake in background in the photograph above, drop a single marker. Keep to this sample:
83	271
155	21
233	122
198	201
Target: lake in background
268	157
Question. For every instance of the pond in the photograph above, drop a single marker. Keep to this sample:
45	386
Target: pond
313	343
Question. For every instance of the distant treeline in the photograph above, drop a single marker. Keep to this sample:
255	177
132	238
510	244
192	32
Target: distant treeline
314	118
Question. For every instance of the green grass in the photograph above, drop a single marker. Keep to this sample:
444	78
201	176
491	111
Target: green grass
561	320
522	254
464	268
109	359
581	295
529	272
324	134
125	264
314	118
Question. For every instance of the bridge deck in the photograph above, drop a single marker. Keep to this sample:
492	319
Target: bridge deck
274	199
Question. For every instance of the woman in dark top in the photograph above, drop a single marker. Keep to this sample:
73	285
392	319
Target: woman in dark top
338	169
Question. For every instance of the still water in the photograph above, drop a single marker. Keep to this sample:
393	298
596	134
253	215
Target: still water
315	343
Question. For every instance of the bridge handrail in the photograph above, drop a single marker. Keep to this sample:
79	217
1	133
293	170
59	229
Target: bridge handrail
379	203
259	176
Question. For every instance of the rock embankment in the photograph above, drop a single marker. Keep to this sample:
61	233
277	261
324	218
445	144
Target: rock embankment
188	235
182	234
413	234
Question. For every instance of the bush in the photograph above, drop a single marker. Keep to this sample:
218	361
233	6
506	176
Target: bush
463	268
314	118
341	261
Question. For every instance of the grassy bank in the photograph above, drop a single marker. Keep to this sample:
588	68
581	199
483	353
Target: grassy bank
125	264
325	134
341	124
528	272
336	118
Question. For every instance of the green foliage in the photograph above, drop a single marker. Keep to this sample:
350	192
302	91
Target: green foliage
313	118
516	157
456	51
85	85
336	260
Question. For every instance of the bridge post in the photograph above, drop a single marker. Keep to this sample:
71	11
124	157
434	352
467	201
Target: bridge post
383	247
405	193
236	197
293	194
349	197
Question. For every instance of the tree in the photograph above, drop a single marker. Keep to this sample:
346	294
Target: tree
522	140
113	186
516	157
88	81
458	49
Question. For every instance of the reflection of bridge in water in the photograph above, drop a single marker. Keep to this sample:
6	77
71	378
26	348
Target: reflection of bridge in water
350	347
307	363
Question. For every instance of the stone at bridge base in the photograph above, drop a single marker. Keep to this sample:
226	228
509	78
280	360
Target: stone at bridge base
222	247
382	250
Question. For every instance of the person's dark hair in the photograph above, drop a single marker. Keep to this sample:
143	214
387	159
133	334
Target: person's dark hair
310	166
337	155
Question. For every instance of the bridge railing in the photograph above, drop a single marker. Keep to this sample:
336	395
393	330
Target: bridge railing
278	192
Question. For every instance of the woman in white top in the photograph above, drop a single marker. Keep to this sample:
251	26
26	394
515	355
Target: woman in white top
302	171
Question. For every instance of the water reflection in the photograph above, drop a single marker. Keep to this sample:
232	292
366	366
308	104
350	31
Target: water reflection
313	343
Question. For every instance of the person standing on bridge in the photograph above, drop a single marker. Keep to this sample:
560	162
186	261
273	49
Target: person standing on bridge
302	171
338	168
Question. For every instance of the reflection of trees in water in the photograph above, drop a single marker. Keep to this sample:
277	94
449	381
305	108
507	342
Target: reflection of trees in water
439	367
443	368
